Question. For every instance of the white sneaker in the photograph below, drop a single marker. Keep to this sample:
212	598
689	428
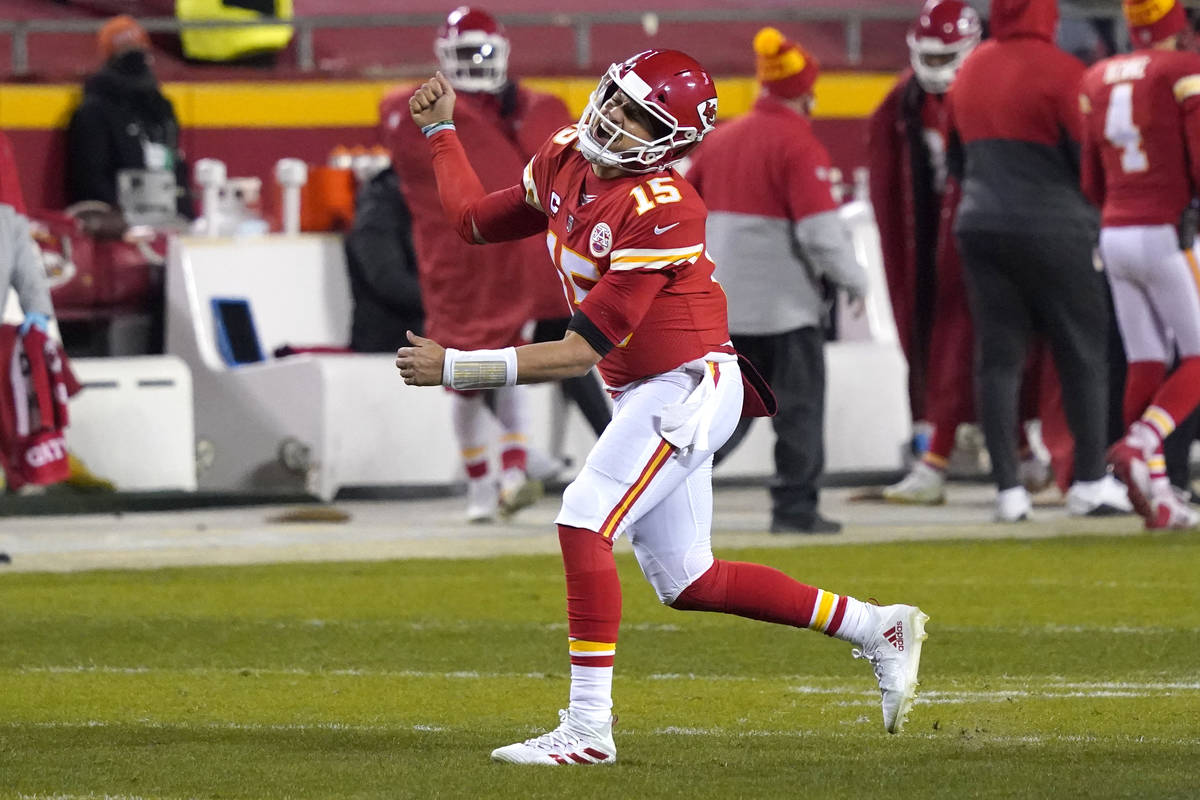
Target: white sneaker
517	491
1013	505
894	650
483	500
1098	498
924	486
1171	511
570	743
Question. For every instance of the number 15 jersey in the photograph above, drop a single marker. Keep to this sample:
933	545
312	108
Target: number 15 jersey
1141	144
632	257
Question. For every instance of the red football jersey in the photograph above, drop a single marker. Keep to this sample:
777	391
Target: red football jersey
1141	138
632	256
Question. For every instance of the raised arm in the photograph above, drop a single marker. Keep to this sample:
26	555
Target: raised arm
478	217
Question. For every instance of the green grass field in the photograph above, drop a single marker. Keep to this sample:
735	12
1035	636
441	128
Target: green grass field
1063	668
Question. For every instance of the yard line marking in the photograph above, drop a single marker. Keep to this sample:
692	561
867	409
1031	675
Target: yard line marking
1041	686
670	730
991	738
232	726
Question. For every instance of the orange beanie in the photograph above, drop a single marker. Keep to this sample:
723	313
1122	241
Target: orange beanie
120	34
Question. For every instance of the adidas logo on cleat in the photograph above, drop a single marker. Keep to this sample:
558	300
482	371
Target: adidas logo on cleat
895	636
590	755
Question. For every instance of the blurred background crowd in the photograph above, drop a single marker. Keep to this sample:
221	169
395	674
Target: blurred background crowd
126	124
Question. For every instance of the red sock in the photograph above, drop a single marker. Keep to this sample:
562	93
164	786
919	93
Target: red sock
763	593
1142	380
1180	393
593	595
513	456
941	445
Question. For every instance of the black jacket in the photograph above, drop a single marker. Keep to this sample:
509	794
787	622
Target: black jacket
122	109
383	268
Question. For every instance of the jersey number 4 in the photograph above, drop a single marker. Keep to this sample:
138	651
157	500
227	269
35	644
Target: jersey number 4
1121	132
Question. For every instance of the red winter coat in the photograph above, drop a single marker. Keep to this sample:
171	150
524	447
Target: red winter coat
10	184
915	217
478	297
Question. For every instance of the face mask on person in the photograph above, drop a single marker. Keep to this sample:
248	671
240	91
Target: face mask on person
133	63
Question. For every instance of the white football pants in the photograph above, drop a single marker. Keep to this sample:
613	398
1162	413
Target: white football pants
1156	290
636	481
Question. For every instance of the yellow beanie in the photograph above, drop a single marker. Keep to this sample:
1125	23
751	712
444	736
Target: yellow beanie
783	67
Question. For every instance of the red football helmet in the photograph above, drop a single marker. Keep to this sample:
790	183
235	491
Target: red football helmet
472	50
944	33
672	92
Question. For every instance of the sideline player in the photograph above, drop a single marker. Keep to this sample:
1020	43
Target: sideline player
503	123
914	199
627	234
1141	165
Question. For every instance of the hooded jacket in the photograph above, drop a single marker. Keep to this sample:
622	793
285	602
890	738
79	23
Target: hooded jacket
1015	108
478	297
122	111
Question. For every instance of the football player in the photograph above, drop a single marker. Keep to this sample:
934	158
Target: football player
1141	165
501	124
627	234
914	202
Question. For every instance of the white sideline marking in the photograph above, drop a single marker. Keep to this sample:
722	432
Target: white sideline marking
87	797
1049	687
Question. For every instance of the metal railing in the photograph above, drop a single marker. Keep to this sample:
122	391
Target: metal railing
581	25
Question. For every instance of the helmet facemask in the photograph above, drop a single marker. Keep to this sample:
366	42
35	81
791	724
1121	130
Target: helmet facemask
935	62
598	134
474	61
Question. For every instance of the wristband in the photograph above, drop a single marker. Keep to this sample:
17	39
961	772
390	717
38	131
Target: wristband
479	369
437	127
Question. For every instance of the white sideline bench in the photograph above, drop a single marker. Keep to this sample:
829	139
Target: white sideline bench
351	414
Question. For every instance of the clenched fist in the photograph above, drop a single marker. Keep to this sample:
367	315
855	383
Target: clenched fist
433	101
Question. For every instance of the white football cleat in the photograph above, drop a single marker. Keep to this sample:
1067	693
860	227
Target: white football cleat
894	650
1013	505
570	743
483	500
1171	511
1128	461
924	486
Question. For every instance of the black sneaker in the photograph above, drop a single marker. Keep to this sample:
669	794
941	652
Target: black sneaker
805	524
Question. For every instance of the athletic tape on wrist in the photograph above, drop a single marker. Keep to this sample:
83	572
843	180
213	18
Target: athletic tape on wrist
479	369
437	127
